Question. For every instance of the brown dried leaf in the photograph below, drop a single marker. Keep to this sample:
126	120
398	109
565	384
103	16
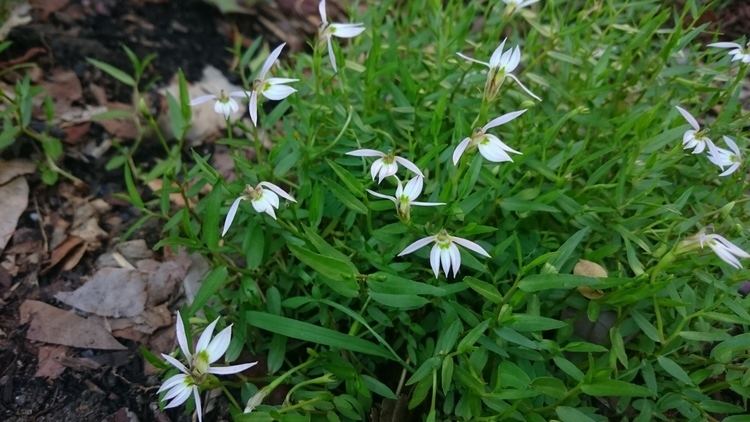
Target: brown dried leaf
112	292
11	169
72	248
48	362
589	269
53	325
64	88
15	198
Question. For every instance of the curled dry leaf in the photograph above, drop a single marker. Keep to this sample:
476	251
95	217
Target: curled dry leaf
15	198
589	269
53	325
69	253
111	292
9	170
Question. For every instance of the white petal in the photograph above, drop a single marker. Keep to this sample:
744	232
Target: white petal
271	197
230	216
494	140
688	117
219	345
730	170
445	259
322	11
331	55
270	60
277	81
387	170
725	256
240	94
271	212
413	188
278	92
523	87
514	60
409	165
455	255
205	337
176	363
228	370
459	151
505	59
435	260
399	188
171	382
253	108
465	57
427	204
375	167
497	54
198	404
380	195
699	147
688	138
349	30
734	249
175	391
493	152
365	153
261	204
468	244
417	245
182	338
505	118
725	45
281	192
180	398
202	99
732	145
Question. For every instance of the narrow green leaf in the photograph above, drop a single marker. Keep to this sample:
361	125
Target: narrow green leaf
674	369
487	290
211	284
614	388
113	72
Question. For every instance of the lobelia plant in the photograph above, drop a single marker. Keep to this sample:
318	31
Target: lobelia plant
349	328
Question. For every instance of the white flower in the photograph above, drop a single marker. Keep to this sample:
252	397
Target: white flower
341	30
724	249
406	196
731	158
515	5
386	165
489	145
737	52
695	138
501	65
444	252
207	351
224	105
272	88
264	197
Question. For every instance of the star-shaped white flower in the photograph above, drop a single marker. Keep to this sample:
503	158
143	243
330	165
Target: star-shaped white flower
444	253
386	164
406	196
501	65
225	104
489	145
207	351
728	159
264	197
737	52
723	248
695	138
519	4
272	88
341	30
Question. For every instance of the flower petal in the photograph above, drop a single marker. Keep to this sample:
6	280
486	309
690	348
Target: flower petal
465	57
202	99
271	197
413	188
205	337
171	382
732	145
468	244
278	92
252	107
493	152
375	167
494	140
270	60
230	217
281	192
409	165
417	245
366	153
688	117
459	151
505	118
180	398
497	54
455	255
380	195
182	337
523	87
445	259
435	260
331	55
228	370
322	11
427	204
347	30
219	344
387	170
725	45
176	363
198	404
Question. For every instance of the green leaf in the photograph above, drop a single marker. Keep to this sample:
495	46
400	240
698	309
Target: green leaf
305	331
135	197
614	388
569	414
525	323
113	72
211	218
211	284
648	329
487	290
399	301
334	269
674	369
378	387
354	185
724	351
539	282
343	195
566	250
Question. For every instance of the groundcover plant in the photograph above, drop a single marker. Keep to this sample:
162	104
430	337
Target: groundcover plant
586	203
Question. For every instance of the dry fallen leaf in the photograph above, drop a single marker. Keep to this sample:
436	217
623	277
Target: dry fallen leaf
71	251
53	325
64	88
111	292
589	269
48	362
11	169
15	196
